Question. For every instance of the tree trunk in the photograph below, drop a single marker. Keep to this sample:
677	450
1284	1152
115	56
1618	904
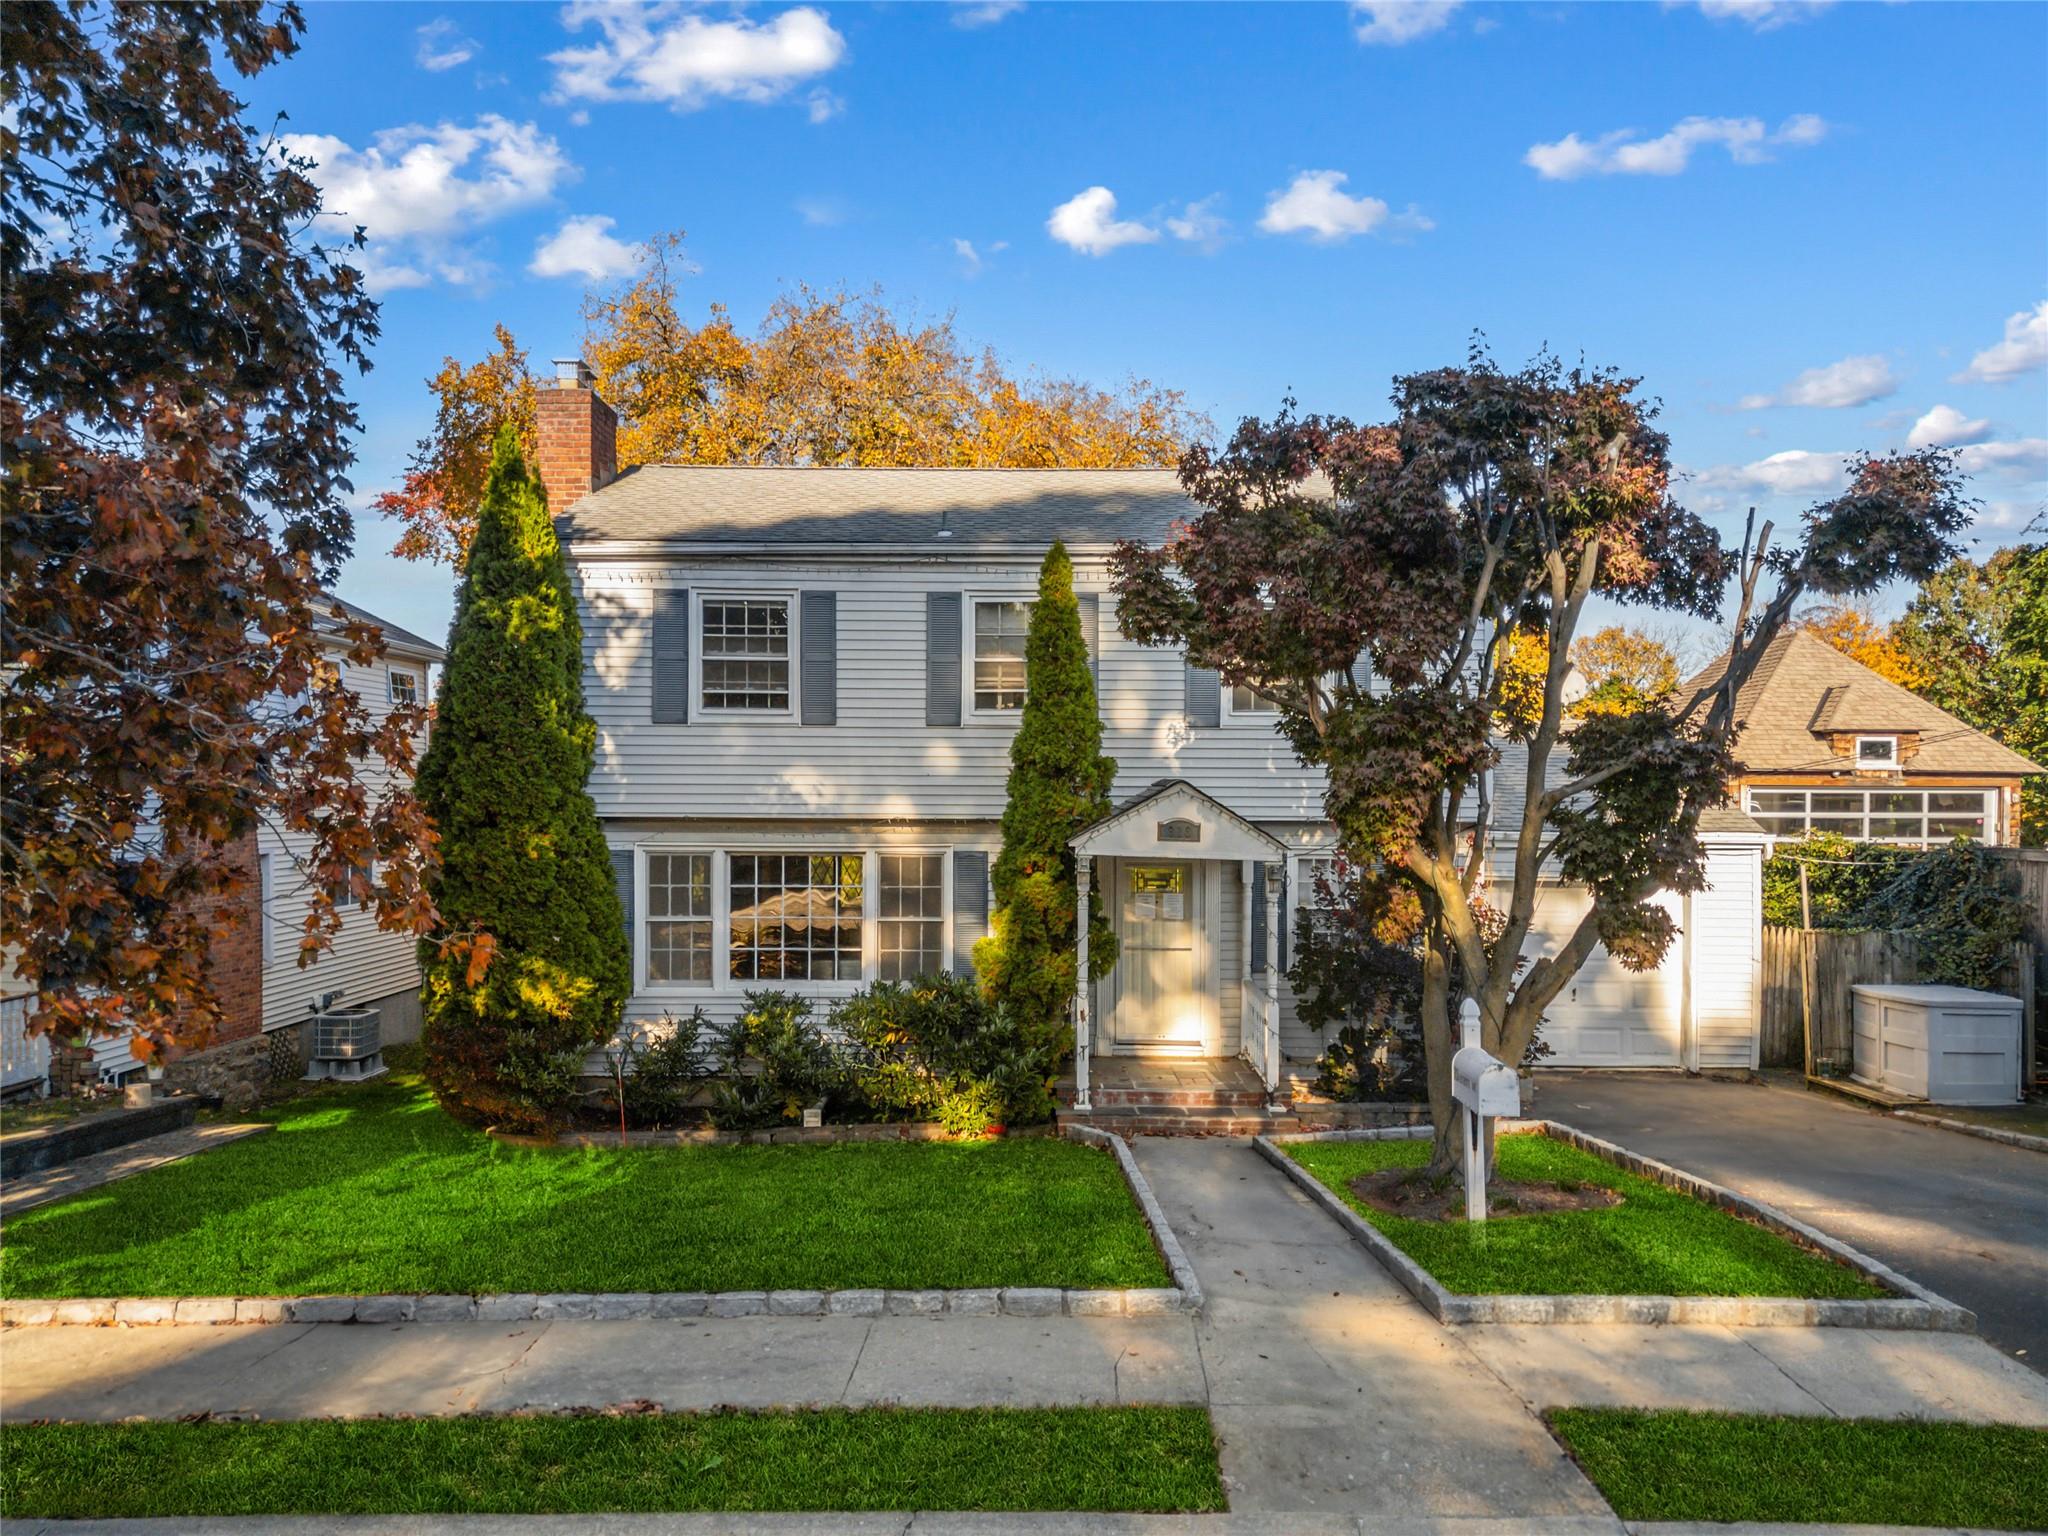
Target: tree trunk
1439	1044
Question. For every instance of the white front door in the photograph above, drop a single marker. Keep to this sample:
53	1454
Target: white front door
1160	1001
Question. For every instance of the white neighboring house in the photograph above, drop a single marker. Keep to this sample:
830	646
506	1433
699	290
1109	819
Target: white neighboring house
266	995
805	683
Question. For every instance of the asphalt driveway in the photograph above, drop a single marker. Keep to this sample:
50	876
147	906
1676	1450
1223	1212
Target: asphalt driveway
1967	1218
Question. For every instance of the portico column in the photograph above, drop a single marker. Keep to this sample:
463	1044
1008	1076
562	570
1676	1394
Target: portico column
1082	865
1272	1042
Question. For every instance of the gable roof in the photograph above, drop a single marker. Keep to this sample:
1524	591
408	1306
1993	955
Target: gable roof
1248	839
397	641
872	508
1803	690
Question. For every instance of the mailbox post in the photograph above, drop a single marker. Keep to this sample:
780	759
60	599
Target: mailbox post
1483	1085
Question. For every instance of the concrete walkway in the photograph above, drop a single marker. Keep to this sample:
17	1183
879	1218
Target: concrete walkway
33	1189
1965	1217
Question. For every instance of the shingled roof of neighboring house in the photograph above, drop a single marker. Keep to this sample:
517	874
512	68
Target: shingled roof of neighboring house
1804	690
395	638
940	508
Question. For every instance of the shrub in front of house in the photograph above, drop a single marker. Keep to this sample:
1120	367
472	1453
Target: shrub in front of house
522	856
661	1072
937	1049
773	1062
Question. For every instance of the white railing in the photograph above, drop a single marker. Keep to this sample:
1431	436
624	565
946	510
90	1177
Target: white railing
24	1058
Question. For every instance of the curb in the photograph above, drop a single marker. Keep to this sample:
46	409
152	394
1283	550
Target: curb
1184	1295
1914	1307
1985	1132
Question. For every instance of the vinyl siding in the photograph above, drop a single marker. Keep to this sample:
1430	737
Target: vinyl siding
365	964
881	760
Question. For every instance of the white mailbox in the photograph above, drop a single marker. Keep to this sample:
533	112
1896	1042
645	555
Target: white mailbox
1485	1084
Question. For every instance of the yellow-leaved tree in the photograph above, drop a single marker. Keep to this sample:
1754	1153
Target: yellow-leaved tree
828	378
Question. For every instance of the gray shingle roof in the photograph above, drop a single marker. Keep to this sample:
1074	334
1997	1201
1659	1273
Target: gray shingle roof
395	638
1803	689
977	508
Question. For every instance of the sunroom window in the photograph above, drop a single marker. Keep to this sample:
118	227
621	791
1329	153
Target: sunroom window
1873	815
679	919
796	916
745	648
999	631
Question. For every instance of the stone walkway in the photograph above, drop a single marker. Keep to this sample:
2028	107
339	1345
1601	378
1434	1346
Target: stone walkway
35	1189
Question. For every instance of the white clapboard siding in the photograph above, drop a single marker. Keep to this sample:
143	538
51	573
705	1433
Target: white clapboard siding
365	963
1725	958
881	760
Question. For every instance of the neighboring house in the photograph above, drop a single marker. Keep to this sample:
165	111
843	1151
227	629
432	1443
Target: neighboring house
806	681
265	995
1826	744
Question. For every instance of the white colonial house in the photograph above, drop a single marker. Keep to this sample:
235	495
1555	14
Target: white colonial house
806	681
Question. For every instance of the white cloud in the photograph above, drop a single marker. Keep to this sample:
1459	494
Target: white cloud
1087	221
1946	427
417	191
1315	205
1795	471
442	45
821	212
2024	349
1394	22
2024	459
821	106
973	260
1624	153
580	118
1851	382
1763	15
669	54
983	13
584	247
1200	224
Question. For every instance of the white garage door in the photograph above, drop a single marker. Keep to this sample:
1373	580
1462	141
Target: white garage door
1608	1016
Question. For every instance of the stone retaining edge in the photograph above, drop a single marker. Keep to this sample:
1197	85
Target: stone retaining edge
1915	1307
1996	1133
1182	1272
1184	1295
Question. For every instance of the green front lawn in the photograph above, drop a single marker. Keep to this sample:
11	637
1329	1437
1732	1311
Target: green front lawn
862	1459
1657	1242
1727	1467
372	1189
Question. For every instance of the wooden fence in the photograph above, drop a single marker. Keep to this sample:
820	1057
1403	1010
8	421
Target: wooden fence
1814	970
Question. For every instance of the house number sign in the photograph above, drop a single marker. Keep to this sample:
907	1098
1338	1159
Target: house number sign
1180	830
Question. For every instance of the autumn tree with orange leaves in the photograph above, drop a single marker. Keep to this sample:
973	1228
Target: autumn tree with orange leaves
177	440
827	378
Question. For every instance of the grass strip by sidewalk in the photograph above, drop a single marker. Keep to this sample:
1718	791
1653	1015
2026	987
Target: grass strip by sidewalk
1657	1242
1728	1467
1144	1459
371	1188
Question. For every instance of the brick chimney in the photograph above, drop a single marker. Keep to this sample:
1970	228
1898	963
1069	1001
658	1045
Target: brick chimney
578	435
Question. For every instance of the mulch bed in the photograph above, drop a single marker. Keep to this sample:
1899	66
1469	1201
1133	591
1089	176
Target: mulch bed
1404	1192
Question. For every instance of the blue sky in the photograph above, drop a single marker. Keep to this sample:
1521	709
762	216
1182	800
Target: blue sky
1811	228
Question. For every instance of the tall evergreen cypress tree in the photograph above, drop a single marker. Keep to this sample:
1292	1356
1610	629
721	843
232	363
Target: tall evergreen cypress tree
522	856
1059	783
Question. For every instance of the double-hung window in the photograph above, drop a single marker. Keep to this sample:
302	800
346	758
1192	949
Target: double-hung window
679	919
796	916
1247	700
1000	626
745	651
405	688
910	930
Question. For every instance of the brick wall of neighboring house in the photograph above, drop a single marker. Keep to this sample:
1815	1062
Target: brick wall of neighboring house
577	435
235	1064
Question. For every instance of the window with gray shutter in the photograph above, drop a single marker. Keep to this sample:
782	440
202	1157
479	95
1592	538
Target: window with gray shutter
1203	691
970	906
671	656
818	635
1091	632
942	658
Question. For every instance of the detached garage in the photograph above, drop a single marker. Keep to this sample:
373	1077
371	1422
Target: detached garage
1698	1010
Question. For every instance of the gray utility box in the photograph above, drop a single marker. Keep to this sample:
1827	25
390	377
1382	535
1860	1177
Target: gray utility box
1948	1045
347	1045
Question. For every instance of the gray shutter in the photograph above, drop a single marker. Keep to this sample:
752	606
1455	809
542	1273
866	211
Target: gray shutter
819	634
1091	632
942	658
1258	920
970	906
671	656
1285	882
622	877
1203	695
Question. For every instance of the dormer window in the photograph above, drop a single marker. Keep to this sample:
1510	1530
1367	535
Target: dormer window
1877	751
